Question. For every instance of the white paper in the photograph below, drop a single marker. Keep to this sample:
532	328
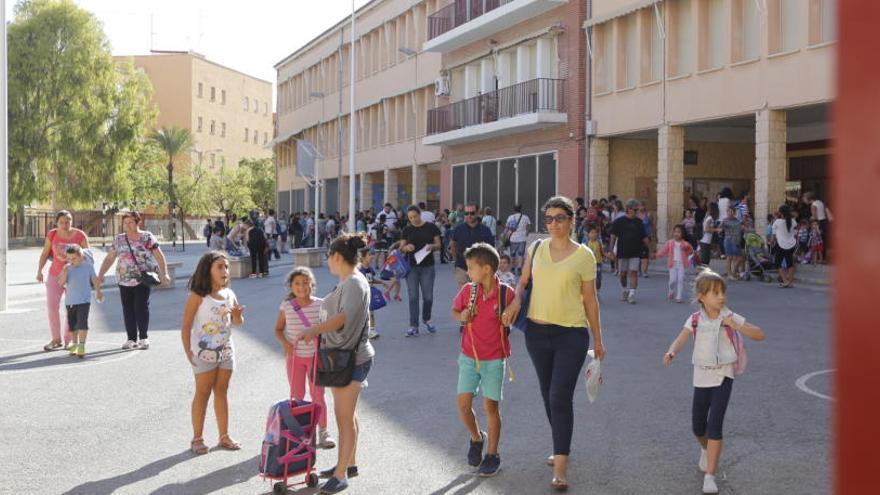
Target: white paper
422	254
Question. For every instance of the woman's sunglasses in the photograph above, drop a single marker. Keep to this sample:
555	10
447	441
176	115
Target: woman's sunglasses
556	218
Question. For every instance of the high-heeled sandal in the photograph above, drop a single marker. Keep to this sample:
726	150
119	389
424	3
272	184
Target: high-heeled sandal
559	485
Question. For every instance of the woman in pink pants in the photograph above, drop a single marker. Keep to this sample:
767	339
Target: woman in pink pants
56	240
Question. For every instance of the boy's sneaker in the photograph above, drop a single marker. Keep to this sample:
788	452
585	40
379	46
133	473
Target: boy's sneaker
143	344
631	298
334	485
325	441
412	332
704	460
490	466
625	295
351	472
709	485
129	344
430	328
72	349
372	334
81	351
475	451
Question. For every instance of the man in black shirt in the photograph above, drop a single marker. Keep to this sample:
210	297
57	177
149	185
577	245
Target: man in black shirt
416	236
628	232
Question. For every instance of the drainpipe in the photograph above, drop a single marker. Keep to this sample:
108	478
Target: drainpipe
589	105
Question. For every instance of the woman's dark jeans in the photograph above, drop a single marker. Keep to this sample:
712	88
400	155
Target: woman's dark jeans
135	310
558	354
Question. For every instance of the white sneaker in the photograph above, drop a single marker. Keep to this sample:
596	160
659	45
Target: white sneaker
129	344
704	460
325	441
632	297
372	334
143	344
709	485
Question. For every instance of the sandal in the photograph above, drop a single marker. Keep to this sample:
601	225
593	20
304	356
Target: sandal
559	485
198	447
226	442
53	346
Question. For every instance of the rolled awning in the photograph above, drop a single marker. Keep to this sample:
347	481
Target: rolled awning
634	6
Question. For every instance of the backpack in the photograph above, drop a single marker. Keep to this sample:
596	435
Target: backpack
505	331
288	444
742	359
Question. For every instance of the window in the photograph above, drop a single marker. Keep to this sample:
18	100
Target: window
683	39
712	16
246	134
200	155
213	127
256	105
746	33
603	51
213	93
223	161
265	109
222	96
223	129
199	125
213	160
784	25
628	62
247	103
256	136
265	138
199	93
655	37
823	21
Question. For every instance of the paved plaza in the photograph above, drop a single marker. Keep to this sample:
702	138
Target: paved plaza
119	421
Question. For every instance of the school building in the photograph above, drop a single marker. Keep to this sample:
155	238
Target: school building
394	88
690	96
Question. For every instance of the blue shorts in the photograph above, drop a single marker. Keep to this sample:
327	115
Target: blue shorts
517	249
489	378
731	248
361	371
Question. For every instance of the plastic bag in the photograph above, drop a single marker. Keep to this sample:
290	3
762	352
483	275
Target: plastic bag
593	376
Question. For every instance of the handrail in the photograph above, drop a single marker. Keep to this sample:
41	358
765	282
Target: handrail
459	12
526	97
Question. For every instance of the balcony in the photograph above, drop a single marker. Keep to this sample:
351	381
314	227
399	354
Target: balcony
465	21
522	107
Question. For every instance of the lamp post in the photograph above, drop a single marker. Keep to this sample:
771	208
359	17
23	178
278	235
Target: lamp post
352	136
409	52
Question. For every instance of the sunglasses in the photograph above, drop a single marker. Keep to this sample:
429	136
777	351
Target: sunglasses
470	213
556	218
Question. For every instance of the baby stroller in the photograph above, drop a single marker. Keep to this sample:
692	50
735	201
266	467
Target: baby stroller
289	446
759	262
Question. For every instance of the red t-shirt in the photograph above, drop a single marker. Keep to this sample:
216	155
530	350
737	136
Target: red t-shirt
59	245
486	326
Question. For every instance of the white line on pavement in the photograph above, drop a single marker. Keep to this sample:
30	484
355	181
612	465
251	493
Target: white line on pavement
801	384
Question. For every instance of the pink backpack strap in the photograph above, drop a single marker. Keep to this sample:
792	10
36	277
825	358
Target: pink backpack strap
695	321
299	312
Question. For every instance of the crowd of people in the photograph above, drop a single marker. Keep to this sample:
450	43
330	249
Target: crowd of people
501	270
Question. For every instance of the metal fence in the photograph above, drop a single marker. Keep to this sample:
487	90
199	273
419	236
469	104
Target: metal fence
526	97
458	13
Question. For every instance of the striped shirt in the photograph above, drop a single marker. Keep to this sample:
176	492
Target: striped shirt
294	326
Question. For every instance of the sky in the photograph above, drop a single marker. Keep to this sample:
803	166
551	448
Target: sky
248	36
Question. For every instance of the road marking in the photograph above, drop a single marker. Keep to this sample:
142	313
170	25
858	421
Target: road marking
801	384
75	364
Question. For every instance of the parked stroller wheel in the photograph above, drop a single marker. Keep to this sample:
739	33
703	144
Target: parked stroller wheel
280	488
312	480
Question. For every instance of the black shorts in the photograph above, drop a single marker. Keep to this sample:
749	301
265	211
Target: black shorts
78	316
786	255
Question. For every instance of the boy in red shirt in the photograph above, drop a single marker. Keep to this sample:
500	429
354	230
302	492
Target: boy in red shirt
484	349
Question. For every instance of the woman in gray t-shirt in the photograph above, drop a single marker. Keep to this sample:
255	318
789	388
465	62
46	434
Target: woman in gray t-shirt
345	317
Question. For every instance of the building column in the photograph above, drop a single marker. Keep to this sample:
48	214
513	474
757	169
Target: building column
523	61
389	192
419	184
366	191
670	179
599	168
343	204
545	58
770	164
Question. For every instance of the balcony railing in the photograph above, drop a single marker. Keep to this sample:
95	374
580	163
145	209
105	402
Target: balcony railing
458	13
526	97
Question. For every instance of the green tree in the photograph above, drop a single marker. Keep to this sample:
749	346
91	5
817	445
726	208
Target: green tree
192	193
76	117
173	141
230	190
261	180
147	179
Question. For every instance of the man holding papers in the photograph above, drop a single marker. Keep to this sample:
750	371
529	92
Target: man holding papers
418	241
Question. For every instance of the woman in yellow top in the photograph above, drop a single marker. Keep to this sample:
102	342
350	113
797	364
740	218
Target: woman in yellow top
562	309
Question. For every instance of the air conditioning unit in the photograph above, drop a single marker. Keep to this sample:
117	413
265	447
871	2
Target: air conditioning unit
441	86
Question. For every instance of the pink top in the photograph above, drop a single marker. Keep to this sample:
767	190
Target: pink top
59	257
669	250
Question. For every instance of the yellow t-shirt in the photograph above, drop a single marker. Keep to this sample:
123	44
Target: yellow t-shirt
556	287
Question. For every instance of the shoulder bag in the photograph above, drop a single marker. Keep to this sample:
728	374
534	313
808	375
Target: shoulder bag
521	319
336	366
505	237
147	278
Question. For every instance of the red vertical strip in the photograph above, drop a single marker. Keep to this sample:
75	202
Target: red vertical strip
856	181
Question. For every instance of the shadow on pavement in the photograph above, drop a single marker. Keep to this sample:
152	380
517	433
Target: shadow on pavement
468	482
110	485
58	358
214	481
13	357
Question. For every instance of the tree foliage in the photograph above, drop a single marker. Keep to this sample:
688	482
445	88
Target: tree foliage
230	190
76	118
173	141
261	172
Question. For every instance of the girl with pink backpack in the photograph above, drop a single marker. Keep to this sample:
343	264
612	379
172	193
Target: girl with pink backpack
718	356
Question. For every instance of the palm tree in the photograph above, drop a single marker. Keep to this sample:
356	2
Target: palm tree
174	141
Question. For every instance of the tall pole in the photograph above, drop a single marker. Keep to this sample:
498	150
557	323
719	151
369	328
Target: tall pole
339	124
4	199
352	136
